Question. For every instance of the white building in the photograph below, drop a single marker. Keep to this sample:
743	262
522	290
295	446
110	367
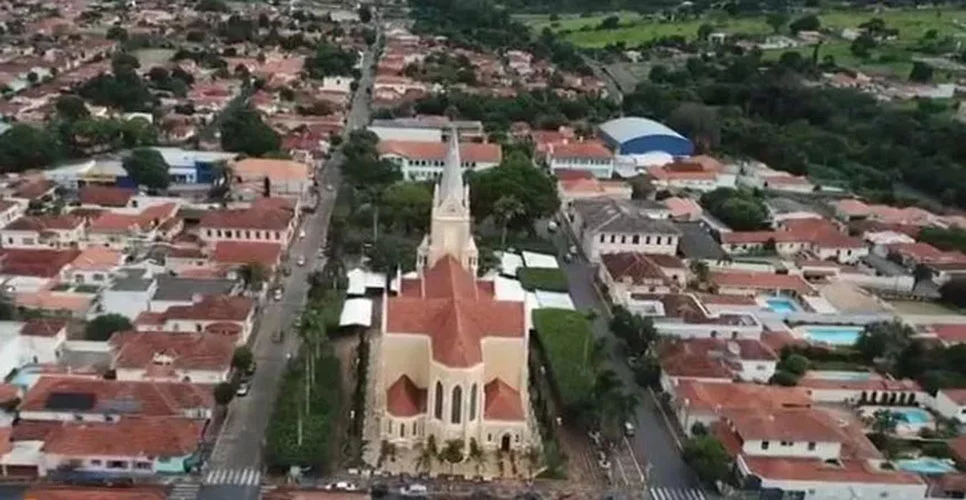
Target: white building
951	403
590	156
610	226
419	160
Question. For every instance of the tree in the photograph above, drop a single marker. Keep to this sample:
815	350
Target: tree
71	108
408	206
452	452
515	177
884	341
777	21
533	460
921	72
242	358
700	270
253	275
637	331
330	60
862	46
117	33
704	31
428	452
243	131
102	327
709	459
506	209
805	23
365	13
391	254
147	167
952	292
224	392
795	364
699	122
739	209
24	147
783	378
477	455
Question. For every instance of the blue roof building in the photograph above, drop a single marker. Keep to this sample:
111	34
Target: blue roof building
637	136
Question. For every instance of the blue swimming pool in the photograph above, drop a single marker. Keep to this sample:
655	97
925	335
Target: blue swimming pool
833	335
926	465
781	305
840	375
912	415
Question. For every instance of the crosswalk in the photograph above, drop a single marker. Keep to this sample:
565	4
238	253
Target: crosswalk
184	491
662	493
241	477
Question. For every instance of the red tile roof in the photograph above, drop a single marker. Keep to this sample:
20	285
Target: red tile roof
638	268
105	196
37	263
189	351
43	327
502	401
214	308
957	396
422	150
765	281
33	430
874	382
31	189
60	492
404	399
717	397
42	223
799	424
245	252
711	358
136	437
816	470
156	399
593	149
450	310
259	216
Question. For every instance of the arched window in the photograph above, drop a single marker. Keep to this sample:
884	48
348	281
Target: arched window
473	402
457	403
438	412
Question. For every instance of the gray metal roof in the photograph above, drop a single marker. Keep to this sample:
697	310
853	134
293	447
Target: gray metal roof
183	289
429	124
131	280
621	216
632	127
697	243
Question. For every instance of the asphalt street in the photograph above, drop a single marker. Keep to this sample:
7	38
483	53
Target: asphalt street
653	444
237	456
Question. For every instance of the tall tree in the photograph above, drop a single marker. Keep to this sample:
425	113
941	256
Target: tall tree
147	167
243	131
102	327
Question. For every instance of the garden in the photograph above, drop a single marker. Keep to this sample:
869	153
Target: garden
568	343
538	278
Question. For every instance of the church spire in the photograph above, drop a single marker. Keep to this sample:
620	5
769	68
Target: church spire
451	184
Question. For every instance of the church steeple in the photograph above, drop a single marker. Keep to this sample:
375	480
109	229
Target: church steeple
450	232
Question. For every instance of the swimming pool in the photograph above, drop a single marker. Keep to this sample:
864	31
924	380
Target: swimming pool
781	305
915	416
926	465
833	335
840	375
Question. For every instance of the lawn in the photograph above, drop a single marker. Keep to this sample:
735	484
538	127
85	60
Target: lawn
551	280
568	343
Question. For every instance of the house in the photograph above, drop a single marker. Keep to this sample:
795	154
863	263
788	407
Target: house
94	196
951	403
141	446
55	398
610	226
757	175
755	283
579	184
419	160
129	293
9	212
43	231
94	265
624	274
715	360
698	401
41	339
266	220
234	254
698	173
821	238
27	270
230	316
258	177
194	167
684	316
684	209
811	453
861	388
181	291
197	358
426	129
851	209
588	156
121	230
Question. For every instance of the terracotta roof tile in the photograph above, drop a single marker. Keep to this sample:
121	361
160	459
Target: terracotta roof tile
156	399
33	430
32	189
404	399
188	351
257	217
453	313
502	401
247	252
770	281
214	308
105	196
37	263
277	170
422	150
717	397
580	149
43	327
97	259
129	437
42	223
638	268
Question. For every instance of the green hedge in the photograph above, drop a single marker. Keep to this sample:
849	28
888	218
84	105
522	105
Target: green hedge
551	280
568	342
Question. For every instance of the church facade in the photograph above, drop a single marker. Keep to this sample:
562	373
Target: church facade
453	359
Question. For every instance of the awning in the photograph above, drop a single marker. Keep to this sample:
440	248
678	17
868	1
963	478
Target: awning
509	262
356	312
540	260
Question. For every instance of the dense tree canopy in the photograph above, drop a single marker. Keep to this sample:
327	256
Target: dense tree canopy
740	210
23	147
147	167
516	177
243	131
330	60
102	327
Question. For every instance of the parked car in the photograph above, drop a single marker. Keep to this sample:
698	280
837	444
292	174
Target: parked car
243	389
342	486
629	429
278	294
414	490
301	233
300	261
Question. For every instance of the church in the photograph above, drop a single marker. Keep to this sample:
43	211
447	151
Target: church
453	359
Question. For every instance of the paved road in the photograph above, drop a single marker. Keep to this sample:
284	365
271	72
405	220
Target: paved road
234	470
653	444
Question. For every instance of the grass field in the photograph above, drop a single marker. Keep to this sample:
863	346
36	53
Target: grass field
635	29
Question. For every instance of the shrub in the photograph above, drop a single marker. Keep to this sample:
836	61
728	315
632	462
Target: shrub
552	280
567	342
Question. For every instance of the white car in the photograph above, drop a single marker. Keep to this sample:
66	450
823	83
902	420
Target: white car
300	261
301	234
414	490
328	187
278	294
342	486
243	389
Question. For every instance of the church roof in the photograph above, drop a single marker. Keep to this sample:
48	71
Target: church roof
502	401
449	308
404	399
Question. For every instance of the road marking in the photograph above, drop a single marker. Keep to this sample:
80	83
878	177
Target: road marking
637	465
667	421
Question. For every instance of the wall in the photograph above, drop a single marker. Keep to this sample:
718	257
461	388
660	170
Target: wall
601	168
672	145
948	408
213	235
126	303
823	450
193	376
893	283
844	490
705	330
407	134
622	242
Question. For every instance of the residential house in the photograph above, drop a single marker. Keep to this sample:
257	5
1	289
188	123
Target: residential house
231	316
120	231
611	226
43	231
197	358
258	177
715	360
704	402
625	274
684	209
10	211
579	184
234	254
94	196
94	265
129	293
180	291
698	173
861	388
951	403
420	160
684	316
819	237
757	283
76	399
267	220
25	271
194	167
